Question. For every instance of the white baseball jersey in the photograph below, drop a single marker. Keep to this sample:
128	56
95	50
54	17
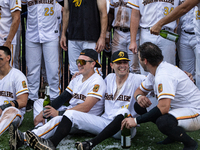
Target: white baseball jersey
171	82
13	85
94	86
42	24
197	22
152	11
122	13
6	8
125	98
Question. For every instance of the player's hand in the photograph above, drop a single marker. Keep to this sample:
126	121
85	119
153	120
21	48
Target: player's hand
128	123
107	45
100	45
0	111
76	74
39	118
156	29
133	47
190	76
7	44
50	112
63	43
144	102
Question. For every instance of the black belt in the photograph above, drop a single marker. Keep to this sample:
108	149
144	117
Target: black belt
164	28
122	29
189	32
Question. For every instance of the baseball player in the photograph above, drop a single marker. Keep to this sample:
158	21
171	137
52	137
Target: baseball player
86	21
86	92
119	18
178	106
9	22
13	92
42	37
178	12
145	14
186	44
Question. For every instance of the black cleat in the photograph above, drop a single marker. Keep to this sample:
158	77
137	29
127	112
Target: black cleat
83	145
16	137
38	143
191	147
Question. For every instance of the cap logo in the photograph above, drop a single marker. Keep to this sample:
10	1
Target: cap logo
82	53
121	54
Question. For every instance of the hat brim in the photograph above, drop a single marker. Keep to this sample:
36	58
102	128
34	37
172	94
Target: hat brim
98	65
121	59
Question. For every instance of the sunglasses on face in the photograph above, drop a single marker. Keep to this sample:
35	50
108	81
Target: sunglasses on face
82	62
121	62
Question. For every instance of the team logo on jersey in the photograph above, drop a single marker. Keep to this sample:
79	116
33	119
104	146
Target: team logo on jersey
121	54
197	14
24	84
160	88
17	2
96	88
77	3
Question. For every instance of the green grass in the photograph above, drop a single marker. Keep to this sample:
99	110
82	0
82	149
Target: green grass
145	139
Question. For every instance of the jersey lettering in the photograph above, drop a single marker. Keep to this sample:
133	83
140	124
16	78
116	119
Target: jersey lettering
197	13
34	2
48	12
145	2
79	96
77	3
6	94
167	10
126	106
120	97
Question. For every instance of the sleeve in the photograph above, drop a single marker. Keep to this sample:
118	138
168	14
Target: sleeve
111	3
97	89
21	86
15	5
133	4
165	87
70	86
147	84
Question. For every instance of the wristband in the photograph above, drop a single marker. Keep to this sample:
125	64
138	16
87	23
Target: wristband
60	113
16	103
107	34
136	98
5	106
135	120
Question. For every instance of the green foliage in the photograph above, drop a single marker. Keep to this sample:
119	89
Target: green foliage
145	139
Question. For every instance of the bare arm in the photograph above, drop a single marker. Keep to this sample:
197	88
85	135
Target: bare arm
13	29
104	22
63	39
175	14
22	100
143	101
134	24
86	105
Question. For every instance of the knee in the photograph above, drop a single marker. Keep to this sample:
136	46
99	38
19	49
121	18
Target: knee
166	122
70	114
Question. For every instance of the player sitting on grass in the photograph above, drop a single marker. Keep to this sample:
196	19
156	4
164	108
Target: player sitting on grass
13	92
86	92
178	106
119	100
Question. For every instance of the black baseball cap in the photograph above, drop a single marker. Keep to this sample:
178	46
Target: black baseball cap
92	54
119	55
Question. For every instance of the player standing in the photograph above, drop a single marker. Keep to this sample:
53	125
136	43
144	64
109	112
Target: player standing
42	37
145	14
178	106
9	22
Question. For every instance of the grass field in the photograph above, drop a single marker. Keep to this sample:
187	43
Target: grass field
145	139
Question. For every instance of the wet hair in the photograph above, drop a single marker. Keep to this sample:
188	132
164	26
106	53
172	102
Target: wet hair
151	52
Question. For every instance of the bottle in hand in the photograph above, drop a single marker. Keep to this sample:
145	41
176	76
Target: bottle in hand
46	100
126	136
169	35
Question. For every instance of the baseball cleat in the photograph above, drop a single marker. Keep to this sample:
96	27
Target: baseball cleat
83	145
16	137
38	143
192	147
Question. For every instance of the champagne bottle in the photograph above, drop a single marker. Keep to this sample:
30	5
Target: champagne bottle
46	100
169	35
126	136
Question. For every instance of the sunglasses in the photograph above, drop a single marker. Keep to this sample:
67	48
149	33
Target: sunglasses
82	62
